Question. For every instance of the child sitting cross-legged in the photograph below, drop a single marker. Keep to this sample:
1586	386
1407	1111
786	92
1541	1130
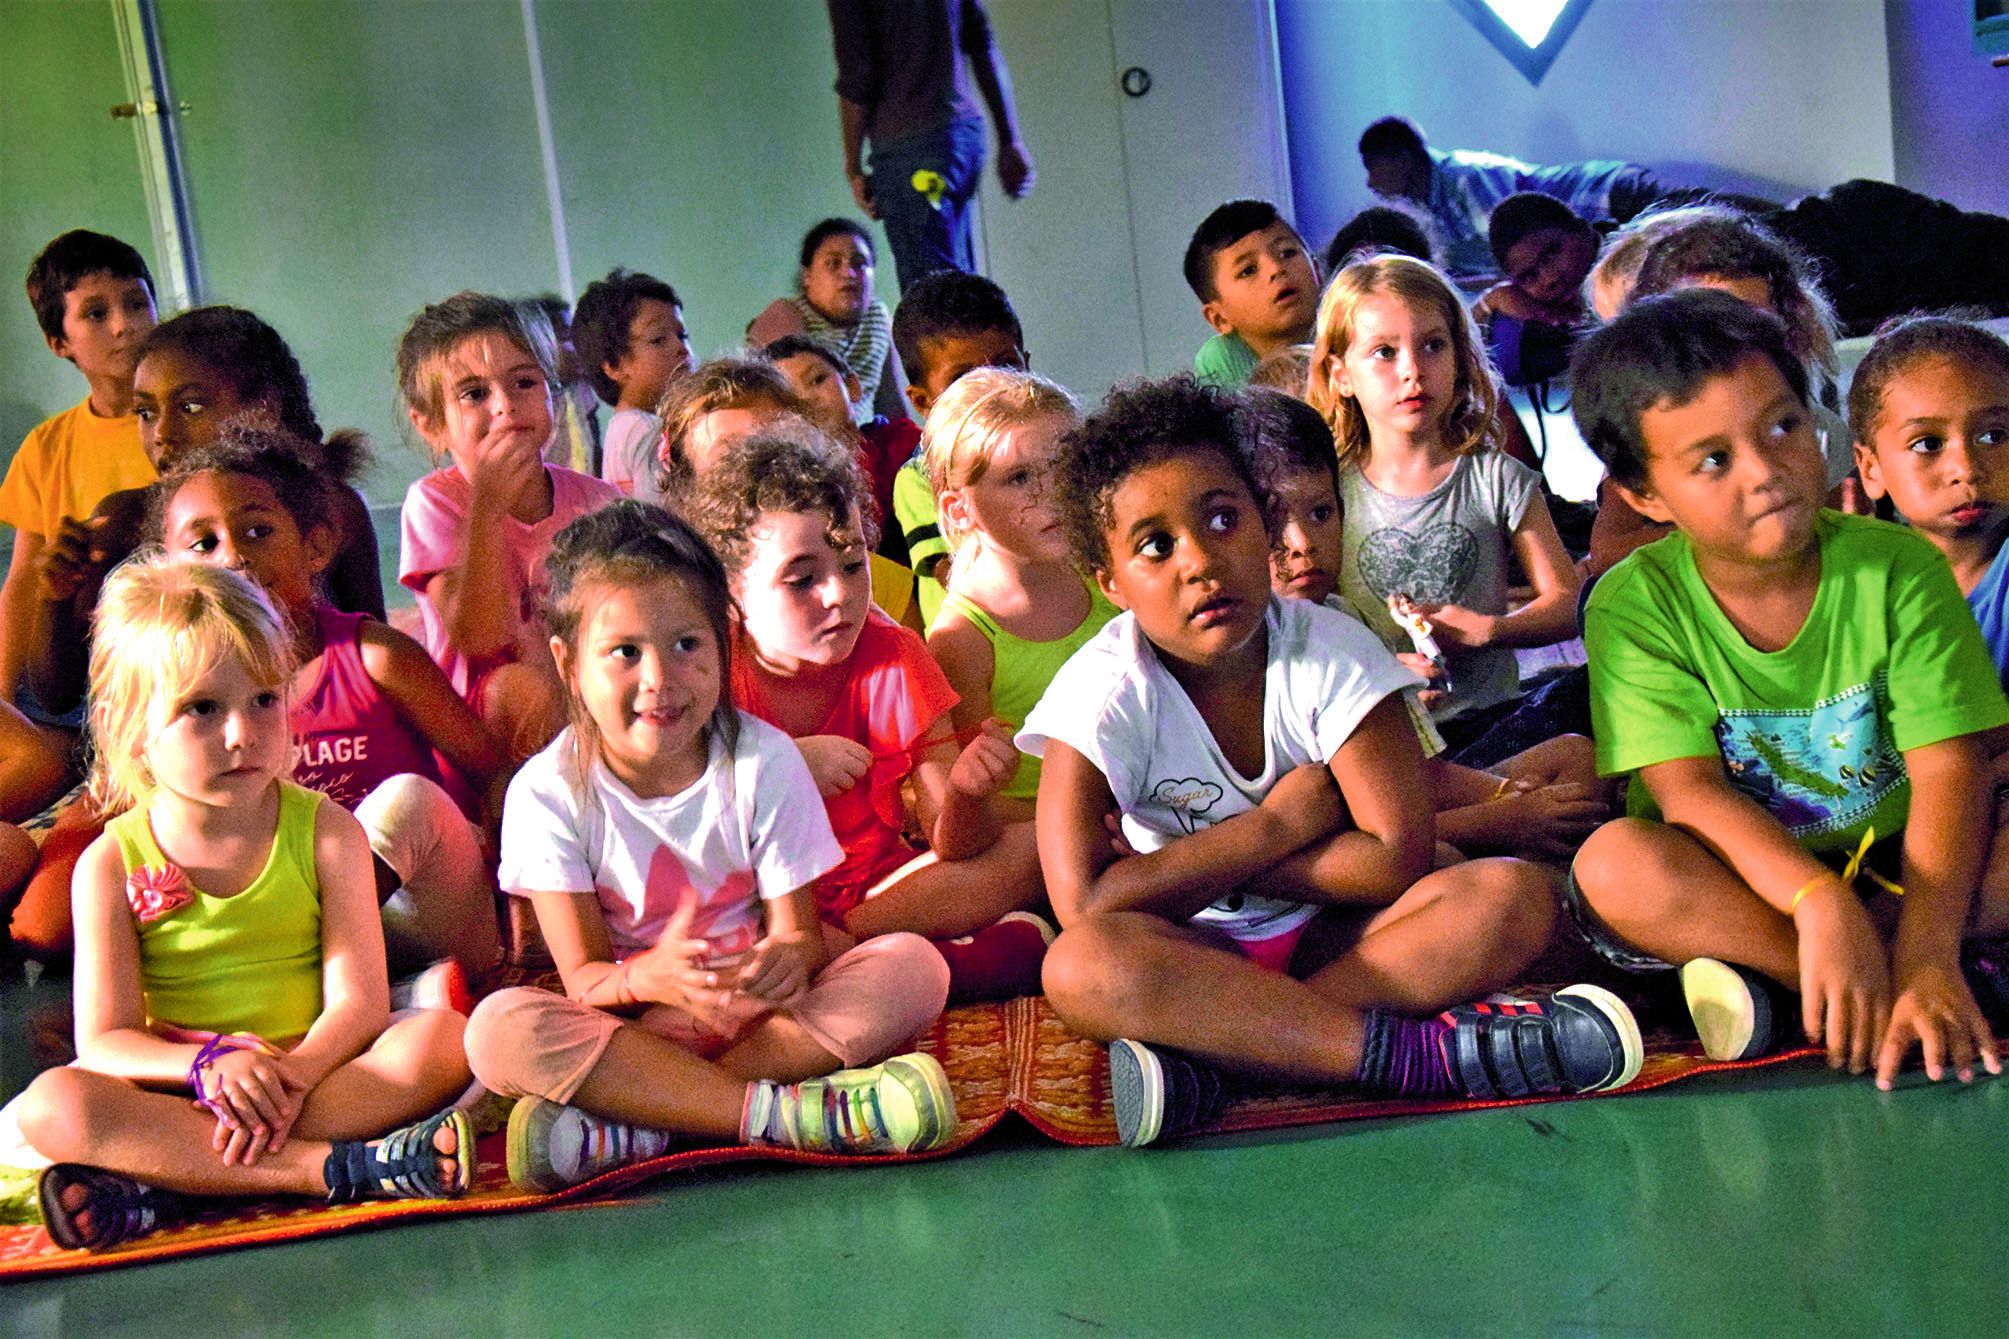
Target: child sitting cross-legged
1269	905
870	710
670	845
1540	803
227	947
1804	705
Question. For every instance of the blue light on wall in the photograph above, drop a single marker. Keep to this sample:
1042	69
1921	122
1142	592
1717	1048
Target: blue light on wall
1529	33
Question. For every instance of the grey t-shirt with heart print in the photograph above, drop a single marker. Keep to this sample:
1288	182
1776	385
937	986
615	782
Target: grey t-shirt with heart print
1446	546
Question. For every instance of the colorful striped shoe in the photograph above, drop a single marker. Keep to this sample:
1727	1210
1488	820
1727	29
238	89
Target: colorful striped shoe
552	1146
1581	1039
902	1106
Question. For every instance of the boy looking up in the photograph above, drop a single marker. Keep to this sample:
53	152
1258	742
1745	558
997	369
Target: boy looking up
1801	697
1256	286
947	324
93	297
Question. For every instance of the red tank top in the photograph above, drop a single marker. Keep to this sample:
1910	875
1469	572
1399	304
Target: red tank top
350	736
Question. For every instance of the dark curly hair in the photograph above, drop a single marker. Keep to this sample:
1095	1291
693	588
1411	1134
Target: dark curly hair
294	467
240	347
627	543
601	319
1907	340
785	467
1140	424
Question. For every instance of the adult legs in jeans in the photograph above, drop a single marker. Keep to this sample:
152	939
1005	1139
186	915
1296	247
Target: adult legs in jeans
929	234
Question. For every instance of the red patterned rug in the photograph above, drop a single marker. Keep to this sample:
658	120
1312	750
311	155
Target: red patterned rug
1014	1057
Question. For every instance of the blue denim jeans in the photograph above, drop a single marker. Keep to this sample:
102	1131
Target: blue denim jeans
928	234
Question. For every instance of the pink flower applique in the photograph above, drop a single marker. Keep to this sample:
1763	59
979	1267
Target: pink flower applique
154	892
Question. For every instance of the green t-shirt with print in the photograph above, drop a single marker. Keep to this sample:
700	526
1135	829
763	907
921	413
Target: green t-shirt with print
1888	660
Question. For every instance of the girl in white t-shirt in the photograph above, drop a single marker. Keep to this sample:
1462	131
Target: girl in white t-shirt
669	845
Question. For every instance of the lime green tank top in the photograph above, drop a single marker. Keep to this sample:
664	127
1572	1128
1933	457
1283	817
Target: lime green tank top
248	963
1021	670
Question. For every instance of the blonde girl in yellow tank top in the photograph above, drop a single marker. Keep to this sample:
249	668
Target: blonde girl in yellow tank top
228	947
1017	607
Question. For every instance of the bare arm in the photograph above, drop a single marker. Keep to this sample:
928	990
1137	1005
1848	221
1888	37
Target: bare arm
1390	839
1617	531
1084	875
18	598
355	989
425	698
776	319
959	823
111	1031
1550	617
851	119
987	64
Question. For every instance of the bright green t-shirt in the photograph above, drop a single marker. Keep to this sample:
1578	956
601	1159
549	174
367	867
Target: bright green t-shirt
1225	361
914	512
1889	660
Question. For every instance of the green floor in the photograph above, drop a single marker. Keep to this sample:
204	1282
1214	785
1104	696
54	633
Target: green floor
1777	1202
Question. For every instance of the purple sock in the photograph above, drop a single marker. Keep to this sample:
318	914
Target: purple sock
1404	1057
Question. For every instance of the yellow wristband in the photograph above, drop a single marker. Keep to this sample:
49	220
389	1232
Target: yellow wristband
1805	888
1506	783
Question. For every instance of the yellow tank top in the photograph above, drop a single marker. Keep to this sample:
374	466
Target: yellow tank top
248	963
1021	670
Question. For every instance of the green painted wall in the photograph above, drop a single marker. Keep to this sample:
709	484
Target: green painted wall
64	163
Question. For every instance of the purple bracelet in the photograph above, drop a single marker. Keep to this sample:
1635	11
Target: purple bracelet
216	1046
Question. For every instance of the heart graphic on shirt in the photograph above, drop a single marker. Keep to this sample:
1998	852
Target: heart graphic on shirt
1430	567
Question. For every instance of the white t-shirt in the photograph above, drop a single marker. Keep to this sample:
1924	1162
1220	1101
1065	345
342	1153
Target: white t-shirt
628	453
751	827
1116	704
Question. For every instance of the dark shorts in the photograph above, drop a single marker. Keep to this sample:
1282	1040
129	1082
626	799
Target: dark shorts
1886	858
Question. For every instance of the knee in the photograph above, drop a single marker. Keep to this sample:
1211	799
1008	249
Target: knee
916	972
401	804
1622	862
499	1034
1087	968
55	1113
525	707
1519	898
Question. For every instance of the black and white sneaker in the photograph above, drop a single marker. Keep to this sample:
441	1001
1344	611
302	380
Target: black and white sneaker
1159	1093
1581	1039
1739	1014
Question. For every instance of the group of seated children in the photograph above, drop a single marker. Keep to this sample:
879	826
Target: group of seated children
1216	732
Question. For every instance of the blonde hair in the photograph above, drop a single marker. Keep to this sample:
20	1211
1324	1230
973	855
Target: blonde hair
1609	285
1287	369
967	424
160	626
1471	422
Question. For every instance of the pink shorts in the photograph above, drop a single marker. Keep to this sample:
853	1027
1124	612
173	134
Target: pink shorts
1274	952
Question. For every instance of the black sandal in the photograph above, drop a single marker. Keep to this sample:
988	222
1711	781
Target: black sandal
403	1164
120	1208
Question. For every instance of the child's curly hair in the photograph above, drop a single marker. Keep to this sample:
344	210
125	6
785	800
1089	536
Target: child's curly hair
786	467
1473	419
160	626
1140	424
293	467
720	383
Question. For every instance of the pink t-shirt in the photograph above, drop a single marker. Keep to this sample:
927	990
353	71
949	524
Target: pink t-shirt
350	736
893	697
431	529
